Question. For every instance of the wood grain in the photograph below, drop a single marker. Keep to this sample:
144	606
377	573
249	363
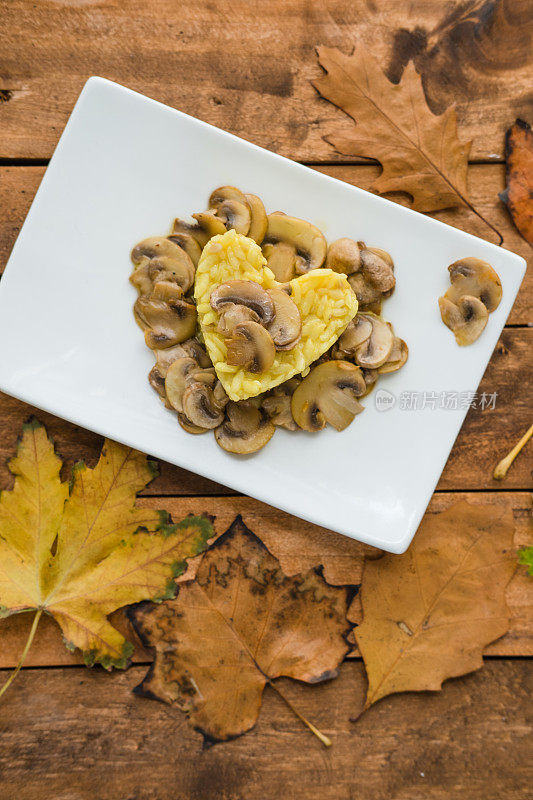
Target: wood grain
73	734
299	546
19	184
227	64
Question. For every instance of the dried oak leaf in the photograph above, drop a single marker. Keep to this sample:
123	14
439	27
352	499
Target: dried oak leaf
79	552
241	623
518	196
420	152
429	613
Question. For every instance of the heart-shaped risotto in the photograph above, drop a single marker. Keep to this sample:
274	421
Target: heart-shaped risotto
324	299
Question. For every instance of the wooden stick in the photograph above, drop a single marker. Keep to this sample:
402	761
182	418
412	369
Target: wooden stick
501	470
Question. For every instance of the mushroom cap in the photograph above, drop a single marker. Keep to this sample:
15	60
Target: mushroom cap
397	357
230	205
190	427
245	429
379	270
176	380
344	256
207	225
281	258
307	239
160	258
165	322
200	406
329	393
467	318
232	315
367	293
243	293
251	347
157	381
286	326
375	350
189	244
259	222
476	278
223	193
174	270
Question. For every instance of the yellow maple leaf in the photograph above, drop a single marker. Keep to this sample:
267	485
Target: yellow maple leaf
79	552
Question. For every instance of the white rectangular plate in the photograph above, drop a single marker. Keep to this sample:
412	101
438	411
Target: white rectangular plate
124	168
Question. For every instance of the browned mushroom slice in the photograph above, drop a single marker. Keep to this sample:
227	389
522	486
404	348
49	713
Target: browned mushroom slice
397	357
160	258
230	205
344	256
280	259
232	315
176	379
475	278
367	293
357	332
189	244
195	350
259	222
467	318
286	326
243	293
165	323
200	406
378	267
189	426
250	347
375	350
370	376
329	393
206	226
157	381
277	404
307	241
245	429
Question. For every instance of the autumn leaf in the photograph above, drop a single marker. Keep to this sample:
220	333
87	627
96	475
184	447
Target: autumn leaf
80	552
429	613
239	625
420	152
518	196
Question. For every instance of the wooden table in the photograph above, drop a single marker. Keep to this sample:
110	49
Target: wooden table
68	733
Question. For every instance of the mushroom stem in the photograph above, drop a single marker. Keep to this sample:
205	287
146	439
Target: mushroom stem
501	470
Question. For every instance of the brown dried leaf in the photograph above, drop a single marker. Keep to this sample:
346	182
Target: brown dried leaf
241	623
429	613
420	153
518	196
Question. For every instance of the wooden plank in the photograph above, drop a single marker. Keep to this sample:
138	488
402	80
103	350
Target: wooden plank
74	734
230	65
485	437
299	546
19	184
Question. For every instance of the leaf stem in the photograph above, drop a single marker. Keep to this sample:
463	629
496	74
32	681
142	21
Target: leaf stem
501	469
27	646
483	219
323	738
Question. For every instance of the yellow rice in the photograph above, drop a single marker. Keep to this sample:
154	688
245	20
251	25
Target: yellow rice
324	298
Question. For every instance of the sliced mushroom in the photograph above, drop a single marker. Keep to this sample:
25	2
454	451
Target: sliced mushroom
375	350
243	293
190	427
286	326
467	318
200	406
367	293
176	379
207	225
195	350
329	393
157	381
245	429
160	258
280	259
475	278
165	322
232	316
378	267
344	256
189	244
356	332
308	242
250	347
277	404
259	222
370	376
396	358
230	205
167	291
